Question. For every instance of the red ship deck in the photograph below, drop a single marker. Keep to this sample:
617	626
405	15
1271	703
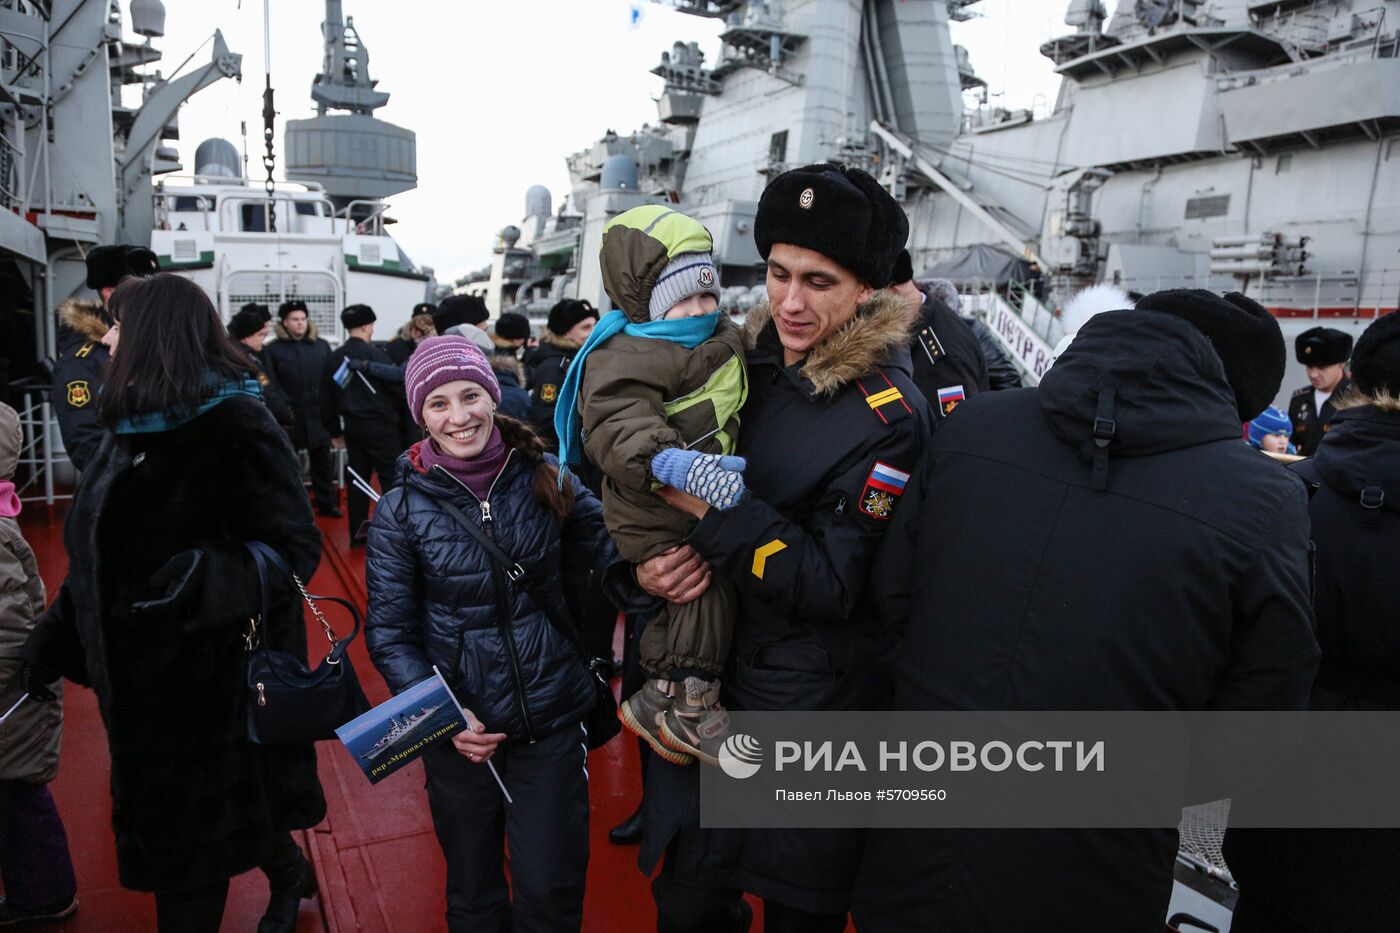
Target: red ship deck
375	854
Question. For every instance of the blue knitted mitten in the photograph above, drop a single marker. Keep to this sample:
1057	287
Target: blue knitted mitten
717	480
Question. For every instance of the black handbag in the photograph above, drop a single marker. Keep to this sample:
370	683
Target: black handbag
287	703
601	723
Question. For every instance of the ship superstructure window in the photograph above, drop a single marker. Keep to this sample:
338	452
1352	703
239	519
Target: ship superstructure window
777	148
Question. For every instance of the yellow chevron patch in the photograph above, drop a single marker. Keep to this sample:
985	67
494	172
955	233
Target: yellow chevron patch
761	555
884	398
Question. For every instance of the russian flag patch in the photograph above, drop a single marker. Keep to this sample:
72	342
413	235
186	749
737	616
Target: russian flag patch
883	487
948	398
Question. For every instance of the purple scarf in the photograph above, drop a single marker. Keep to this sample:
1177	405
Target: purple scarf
477	474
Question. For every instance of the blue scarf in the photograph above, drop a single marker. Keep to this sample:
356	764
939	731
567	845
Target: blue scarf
689	332
217	389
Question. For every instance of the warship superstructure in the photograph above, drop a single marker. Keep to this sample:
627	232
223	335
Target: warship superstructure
1225	144
399	728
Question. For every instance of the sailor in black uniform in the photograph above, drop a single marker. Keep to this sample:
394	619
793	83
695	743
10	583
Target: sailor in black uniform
1324	351
82	359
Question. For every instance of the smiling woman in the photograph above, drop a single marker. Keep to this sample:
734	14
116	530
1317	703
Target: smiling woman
437	598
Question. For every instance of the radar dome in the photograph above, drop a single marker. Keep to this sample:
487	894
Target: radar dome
510	236
620	173
538	202
217	157
148	18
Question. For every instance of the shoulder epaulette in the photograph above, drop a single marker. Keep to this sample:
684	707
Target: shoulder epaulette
82	352
884	397
1304	389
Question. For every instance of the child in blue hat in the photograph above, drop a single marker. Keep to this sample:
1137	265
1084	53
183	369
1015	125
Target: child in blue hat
1270	432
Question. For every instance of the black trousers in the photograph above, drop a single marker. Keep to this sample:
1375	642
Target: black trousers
323	476
201	910
547	829
371	446
683	906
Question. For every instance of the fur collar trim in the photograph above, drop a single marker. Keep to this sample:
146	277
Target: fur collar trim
502	363
862	345
83	316
554	340
311	333
1355	398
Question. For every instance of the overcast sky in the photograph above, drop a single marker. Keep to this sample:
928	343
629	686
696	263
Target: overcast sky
499	93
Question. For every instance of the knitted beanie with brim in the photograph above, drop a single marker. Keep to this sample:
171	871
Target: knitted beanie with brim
440	360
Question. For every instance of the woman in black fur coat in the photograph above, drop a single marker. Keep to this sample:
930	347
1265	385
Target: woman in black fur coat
158	595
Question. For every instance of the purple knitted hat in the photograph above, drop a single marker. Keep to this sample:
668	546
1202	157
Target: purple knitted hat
440	360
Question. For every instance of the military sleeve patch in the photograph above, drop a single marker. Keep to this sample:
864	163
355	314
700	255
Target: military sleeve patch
949	398
882	490
79	395
548	393
761	555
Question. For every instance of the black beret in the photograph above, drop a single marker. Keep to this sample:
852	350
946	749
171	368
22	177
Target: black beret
1322	346
510	326
460	309
260	310
568	312
842	213
287	307
903	268
357	316
424	307
1245	337
108	265
1375	363
246	322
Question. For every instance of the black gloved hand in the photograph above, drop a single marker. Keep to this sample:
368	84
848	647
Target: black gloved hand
36	680
357	365
175	586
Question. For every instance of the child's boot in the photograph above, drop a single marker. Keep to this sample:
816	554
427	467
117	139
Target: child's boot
643	713
697	724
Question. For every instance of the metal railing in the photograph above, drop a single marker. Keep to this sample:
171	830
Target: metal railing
41	453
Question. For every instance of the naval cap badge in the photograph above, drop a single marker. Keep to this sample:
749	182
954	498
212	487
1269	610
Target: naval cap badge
806	198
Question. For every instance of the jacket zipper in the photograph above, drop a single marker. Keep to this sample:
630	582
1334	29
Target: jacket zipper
502	607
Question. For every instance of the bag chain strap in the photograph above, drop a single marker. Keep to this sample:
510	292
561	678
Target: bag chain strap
316	611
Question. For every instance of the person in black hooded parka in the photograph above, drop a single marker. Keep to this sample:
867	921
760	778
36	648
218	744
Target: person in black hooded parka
1294	881
1164	570
156	602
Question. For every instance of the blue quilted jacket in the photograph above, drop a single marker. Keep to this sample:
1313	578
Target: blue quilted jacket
435	597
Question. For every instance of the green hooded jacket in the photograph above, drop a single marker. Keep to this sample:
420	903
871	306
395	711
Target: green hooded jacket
641	395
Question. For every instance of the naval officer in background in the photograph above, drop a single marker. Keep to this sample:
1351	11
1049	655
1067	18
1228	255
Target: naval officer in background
1324	351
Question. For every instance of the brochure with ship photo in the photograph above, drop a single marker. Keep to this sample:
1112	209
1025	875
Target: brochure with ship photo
397	731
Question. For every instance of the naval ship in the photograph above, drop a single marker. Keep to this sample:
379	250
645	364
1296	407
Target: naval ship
400	726
1246	145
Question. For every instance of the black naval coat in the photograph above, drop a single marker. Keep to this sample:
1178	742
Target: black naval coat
800	551
77	378
375	394
1342	879
1169	574
276	400
550	362
296	368
1310	425
946	355
193	802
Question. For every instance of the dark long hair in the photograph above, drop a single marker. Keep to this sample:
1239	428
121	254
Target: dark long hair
171	341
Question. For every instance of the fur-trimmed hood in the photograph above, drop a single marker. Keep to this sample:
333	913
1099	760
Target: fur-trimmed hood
881	327
563	343
83	316
505	363
311	333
